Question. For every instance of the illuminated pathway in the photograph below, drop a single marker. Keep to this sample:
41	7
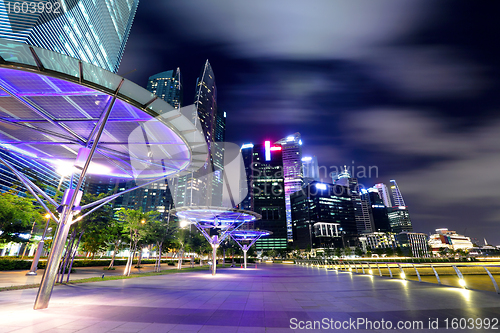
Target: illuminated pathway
253	300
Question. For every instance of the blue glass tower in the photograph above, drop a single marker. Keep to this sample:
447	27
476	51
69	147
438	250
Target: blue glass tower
92	31
167	85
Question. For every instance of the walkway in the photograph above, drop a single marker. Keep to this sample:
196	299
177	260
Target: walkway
267	299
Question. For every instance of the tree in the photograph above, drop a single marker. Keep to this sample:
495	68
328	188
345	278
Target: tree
134	221
94	228
161	234
17	214
358	252
182	236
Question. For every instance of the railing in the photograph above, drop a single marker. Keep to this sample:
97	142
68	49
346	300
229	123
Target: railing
465	275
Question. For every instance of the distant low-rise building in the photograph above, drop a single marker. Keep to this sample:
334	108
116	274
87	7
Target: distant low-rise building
448	239
411	243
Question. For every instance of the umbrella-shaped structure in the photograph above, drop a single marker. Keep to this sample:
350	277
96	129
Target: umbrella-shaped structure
67	114
246	238
215	223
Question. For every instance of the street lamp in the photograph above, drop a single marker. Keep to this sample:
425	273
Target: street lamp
34	264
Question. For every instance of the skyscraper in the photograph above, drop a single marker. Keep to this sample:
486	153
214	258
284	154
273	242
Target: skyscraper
384	194
92	31
292	170
396	194
247	154
310	169
399	216
378	210
167	85
269	195
364	219
209	179
323	216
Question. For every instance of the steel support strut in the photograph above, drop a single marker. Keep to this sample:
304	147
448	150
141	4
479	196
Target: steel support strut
49	277
215	245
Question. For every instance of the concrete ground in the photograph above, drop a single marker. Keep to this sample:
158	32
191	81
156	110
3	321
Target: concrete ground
271	298
18	278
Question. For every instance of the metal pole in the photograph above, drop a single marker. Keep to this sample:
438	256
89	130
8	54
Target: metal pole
49	277
214	255
38	253
245	257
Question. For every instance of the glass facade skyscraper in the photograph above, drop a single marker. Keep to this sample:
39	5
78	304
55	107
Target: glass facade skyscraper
92	31
268	194
204	187
323	216
167	85
293	175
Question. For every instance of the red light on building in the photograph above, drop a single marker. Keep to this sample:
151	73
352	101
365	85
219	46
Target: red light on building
275	148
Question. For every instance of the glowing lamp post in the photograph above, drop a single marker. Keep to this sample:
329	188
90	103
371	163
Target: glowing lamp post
241	237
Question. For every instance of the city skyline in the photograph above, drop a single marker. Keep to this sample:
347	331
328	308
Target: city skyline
407	87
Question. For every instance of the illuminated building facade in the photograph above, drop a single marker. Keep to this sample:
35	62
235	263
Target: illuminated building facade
167	85
267	185
310	169
413	244
204	187
323	217
399	219
384	194
448	239
396	195
92	31
378	210
292	170
364	219
247	154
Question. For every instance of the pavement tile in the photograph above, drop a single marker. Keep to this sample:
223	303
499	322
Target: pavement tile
262	300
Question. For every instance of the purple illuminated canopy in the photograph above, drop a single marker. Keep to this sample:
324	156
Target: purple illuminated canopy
51	105
243	235
215	217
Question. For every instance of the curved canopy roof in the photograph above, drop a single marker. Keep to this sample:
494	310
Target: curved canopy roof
243	235
215	217
51	106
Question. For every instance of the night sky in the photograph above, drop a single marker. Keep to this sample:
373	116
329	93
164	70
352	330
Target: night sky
411	87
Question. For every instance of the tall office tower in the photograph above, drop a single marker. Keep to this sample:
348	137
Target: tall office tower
399	216
247	154
269	194
384	194
92	31
323	216
378	210
292	169
157	196
204	187
310	169
396	195
364	219
167	85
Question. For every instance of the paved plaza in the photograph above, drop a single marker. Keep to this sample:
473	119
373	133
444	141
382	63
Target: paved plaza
267	299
